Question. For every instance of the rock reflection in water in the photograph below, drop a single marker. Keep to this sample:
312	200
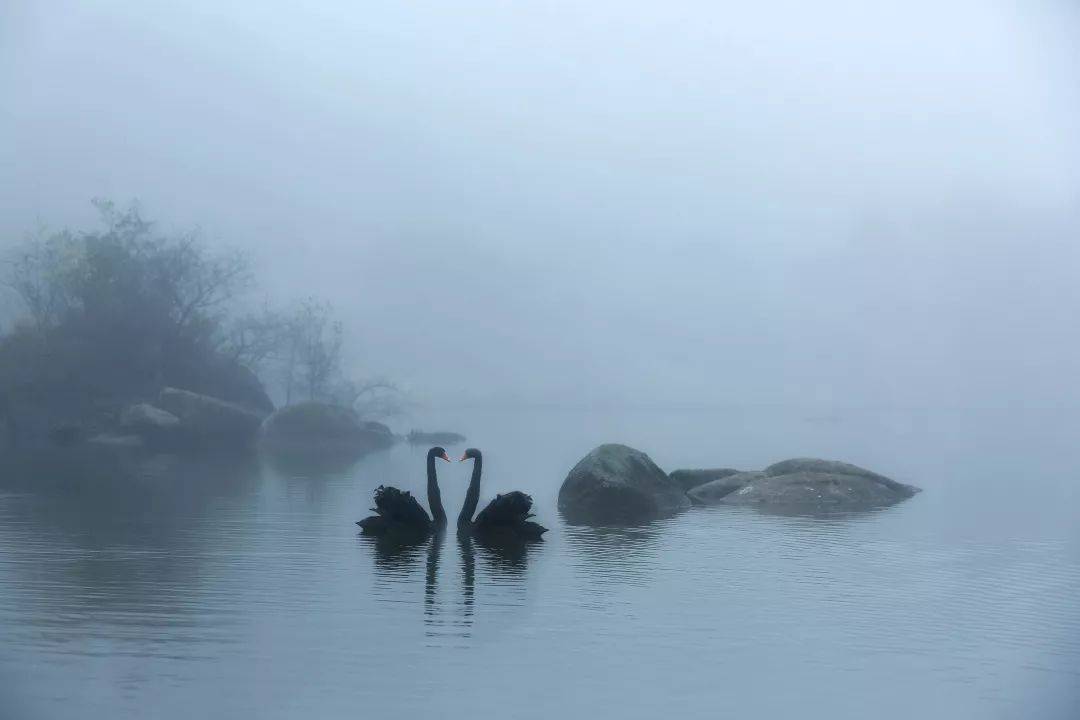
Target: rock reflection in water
607	556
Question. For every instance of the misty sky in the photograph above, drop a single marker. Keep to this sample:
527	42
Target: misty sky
826	204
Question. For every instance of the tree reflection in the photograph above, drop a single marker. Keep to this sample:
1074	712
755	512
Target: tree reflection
136	532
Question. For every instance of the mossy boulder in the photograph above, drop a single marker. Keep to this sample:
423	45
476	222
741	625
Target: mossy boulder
814	485
616	484
690	479
711	493
316	428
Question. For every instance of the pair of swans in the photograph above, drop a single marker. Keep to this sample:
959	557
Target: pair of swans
505	518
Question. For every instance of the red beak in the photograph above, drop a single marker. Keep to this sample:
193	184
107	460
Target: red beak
462	459
443	456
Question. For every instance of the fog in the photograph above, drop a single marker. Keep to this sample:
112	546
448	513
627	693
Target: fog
614	203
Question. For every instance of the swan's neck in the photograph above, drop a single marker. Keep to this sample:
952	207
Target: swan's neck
472	496
434	496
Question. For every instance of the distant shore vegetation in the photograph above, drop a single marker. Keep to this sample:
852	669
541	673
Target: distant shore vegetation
111	315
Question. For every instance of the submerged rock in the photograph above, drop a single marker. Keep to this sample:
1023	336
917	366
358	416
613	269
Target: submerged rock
689	479
616	484
816	465
812	485
711	493
319	429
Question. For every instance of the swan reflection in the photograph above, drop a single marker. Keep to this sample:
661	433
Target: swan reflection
449	601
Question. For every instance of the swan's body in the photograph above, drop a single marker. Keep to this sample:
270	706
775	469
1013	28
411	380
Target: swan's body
397	512
505	518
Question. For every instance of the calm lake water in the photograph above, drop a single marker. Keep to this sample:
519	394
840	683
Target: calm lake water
177	590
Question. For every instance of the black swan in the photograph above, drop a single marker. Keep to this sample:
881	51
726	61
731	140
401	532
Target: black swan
505	518
398	512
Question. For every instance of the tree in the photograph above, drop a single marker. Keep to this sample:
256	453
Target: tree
38	272
124	307
114	313
312	356
375	398
313	350
256	337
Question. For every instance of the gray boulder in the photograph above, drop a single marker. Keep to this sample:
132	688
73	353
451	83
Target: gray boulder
835	467
816	465
224	379
711	493
616	484
210	423
314	428
689	479
153	426
247	390
144	416
812	485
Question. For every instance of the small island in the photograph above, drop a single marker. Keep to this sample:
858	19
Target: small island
419	437
131	338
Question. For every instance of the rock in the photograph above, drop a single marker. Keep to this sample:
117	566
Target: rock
419	437
144	416
319	428
224	379
616	484
247	390
833	467
379	428
154	426
811	485
210	423
116	441
711	493
816	465
688	479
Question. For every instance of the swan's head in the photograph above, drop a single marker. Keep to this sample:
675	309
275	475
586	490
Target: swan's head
470	454
438	452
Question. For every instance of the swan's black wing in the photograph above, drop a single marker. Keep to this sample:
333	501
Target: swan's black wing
505	510
399	515
399	506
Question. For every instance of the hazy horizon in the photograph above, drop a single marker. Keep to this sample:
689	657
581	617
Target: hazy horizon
613	205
